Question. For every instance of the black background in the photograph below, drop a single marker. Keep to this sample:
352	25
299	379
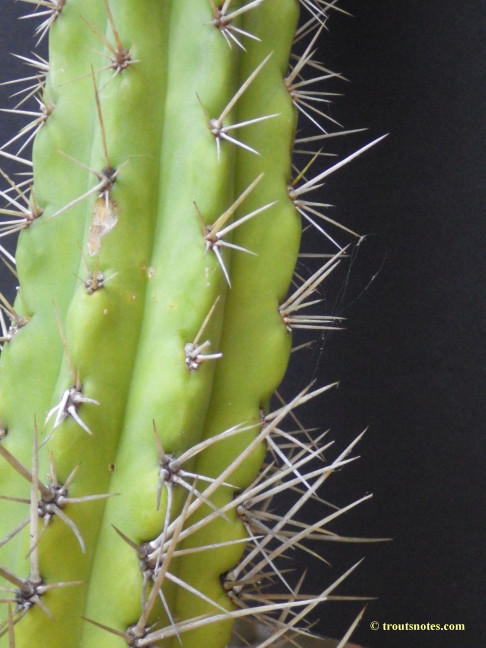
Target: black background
412	359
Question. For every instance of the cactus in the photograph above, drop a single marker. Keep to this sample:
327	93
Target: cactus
159	233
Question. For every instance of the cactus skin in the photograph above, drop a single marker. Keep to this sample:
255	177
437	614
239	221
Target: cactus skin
133	151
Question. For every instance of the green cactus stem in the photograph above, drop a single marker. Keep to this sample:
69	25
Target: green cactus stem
159	234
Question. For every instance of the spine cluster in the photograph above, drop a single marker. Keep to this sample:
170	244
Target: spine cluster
159	224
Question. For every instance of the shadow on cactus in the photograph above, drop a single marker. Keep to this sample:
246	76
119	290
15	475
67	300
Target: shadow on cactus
159	224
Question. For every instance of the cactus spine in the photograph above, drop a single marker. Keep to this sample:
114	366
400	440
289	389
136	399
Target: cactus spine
151	327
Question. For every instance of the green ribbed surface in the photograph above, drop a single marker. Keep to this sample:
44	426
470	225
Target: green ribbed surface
127	339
